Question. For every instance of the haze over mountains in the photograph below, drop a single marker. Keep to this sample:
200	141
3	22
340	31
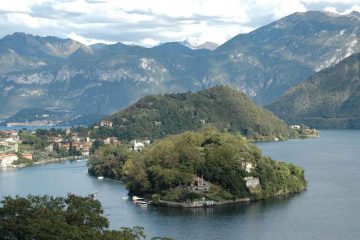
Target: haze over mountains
329	99
49	72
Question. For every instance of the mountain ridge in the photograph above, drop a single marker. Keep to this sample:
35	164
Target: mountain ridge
329	99
104	78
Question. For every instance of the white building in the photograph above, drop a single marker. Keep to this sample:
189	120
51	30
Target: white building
252	183
105	123
138	146
247	166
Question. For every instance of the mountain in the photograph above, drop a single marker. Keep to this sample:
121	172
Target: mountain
155	116
49	72
269	60
21	51
206	45
329	99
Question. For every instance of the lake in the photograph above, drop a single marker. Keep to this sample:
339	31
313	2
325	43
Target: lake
328	209
33	128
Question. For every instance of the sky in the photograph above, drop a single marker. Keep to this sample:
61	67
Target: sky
150	22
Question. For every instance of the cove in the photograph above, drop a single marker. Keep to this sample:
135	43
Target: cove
328	209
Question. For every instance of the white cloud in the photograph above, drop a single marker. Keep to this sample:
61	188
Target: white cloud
25	19
149	42
87	41
148	23
346	11
15	6
353	8
331	9
287	7
330	2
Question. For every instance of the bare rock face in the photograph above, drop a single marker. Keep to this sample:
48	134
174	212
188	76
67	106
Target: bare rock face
61	73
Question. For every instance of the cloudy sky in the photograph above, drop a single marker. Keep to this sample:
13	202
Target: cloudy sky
149	22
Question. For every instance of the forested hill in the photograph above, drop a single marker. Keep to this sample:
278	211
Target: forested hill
329	99
230	110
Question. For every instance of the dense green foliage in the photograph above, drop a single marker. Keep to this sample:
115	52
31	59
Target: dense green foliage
47	218
329	99
229	110
165	167
108	160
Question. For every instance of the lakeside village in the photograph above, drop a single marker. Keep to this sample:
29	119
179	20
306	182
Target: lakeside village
108	156
20	148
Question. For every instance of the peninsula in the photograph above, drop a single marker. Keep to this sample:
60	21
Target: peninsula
196	169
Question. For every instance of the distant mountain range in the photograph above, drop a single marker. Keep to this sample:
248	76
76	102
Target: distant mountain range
156	116
205	45
40	117
329	99
53	73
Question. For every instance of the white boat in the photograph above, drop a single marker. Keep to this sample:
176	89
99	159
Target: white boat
100	177
137	199
143	203
140	201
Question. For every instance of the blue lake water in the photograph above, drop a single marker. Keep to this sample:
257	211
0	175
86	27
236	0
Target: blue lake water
32	128
328	209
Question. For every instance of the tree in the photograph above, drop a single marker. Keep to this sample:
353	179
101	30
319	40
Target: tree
168	165
108	160
96	144
70	218
73	151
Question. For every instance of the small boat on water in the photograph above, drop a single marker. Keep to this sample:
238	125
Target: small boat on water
137	199
143	203
140	201
100	177
93	195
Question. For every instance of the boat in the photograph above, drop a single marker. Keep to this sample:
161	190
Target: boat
140	201
93	195
137	199
143	203
100	177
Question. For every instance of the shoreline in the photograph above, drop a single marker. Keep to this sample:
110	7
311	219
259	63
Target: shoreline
52	160
199	204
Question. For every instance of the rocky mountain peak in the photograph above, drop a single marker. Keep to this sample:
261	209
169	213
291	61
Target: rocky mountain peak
33	45
263	64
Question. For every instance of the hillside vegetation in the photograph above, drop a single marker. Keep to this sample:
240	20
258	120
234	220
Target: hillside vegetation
166	169
47	217
329	99
229	110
